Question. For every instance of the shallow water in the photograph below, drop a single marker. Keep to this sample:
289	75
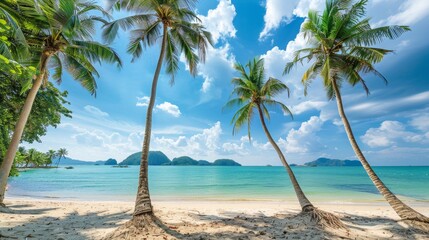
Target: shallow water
326	184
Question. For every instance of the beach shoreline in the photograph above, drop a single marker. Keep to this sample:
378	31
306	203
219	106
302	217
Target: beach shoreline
55	219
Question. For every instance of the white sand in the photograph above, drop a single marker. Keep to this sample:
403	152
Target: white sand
39	219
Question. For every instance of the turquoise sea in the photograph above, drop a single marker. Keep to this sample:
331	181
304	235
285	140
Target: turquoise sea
323	184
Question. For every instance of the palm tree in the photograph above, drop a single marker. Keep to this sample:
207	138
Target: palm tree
341	49
179	29
253	93
62	30
61	153
51	154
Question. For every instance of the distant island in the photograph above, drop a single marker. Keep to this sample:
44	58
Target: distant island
327	162
70	161
156	158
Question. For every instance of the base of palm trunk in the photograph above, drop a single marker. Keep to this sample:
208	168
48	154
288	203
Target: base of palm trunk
322	218
145	226
422	226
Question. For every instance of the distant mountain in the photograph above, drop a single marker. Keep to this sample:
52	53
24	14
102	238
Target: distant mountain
324	162
111	161
155	158
70	161
159	158
183	161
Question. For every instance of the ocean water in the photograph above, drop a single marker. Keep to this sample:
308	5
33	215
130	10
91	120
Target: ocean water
324	184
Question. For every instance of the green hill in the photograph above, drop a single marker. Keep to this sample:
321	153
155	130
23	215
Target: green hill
159	158
111	161
325	162
155	158
225	162
183	161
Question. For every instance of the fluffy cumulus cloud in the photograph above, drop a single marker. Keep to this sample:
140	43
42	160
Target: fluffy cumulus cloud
305	138
142	101
219	20
87	143
389	134
280	11
219	59
218	66
95	111
205	143
169	108
407	12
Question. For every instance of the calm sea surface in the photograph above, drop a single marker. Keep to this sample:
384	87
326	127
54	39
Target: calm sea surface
327	184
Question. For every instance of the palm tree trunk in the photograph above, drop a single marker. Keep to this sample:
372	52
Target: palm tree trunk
404	211
19	128
58	162
303	200
143	202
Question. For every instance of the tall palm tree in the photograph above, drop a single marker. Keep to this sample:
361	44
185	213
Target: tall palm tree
62	30
341	49
179	30
252	92
61	153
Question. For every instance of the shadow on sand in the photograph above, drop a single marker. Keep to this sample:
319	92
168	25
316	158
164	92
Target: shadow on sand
229	225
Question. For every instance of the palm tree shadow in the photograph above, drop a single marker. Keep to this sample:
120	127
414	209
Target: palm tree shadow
71	226
24	209
292	226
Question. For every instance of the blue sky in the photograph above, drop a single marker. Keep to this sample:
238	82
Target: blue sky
391	125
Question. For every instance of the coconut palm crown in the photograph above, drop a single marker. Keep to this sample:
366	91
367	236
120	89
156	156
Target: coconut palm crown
341	50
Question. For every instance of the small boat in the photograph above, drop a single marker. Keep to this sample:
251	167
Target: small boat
120	166
69	167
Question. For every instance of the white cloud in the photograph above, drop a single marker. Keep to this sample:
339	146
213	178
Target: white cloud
303	6
142	101
410	12
384	107
169	108
281	11
277	11
420	122
304	139
95	111
307	105
218	66
219	21
389	134
206	143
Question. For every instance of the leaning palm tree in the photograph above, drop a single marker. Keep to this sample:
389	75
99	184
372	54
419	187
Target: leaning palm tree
253	93
341	47
62	32
61	153
173	25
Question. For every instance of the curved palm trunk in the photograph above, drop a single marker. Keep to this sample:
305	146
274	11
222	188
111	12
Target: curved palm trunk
19	128
303	200
143	203
58	162
404	211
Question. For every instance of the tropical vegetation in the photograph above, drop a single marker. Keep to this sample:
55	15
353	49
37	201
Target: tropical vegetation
341	50
60	33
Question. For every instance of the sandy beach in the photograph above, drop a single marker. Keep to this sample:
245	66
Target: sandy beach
43	219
